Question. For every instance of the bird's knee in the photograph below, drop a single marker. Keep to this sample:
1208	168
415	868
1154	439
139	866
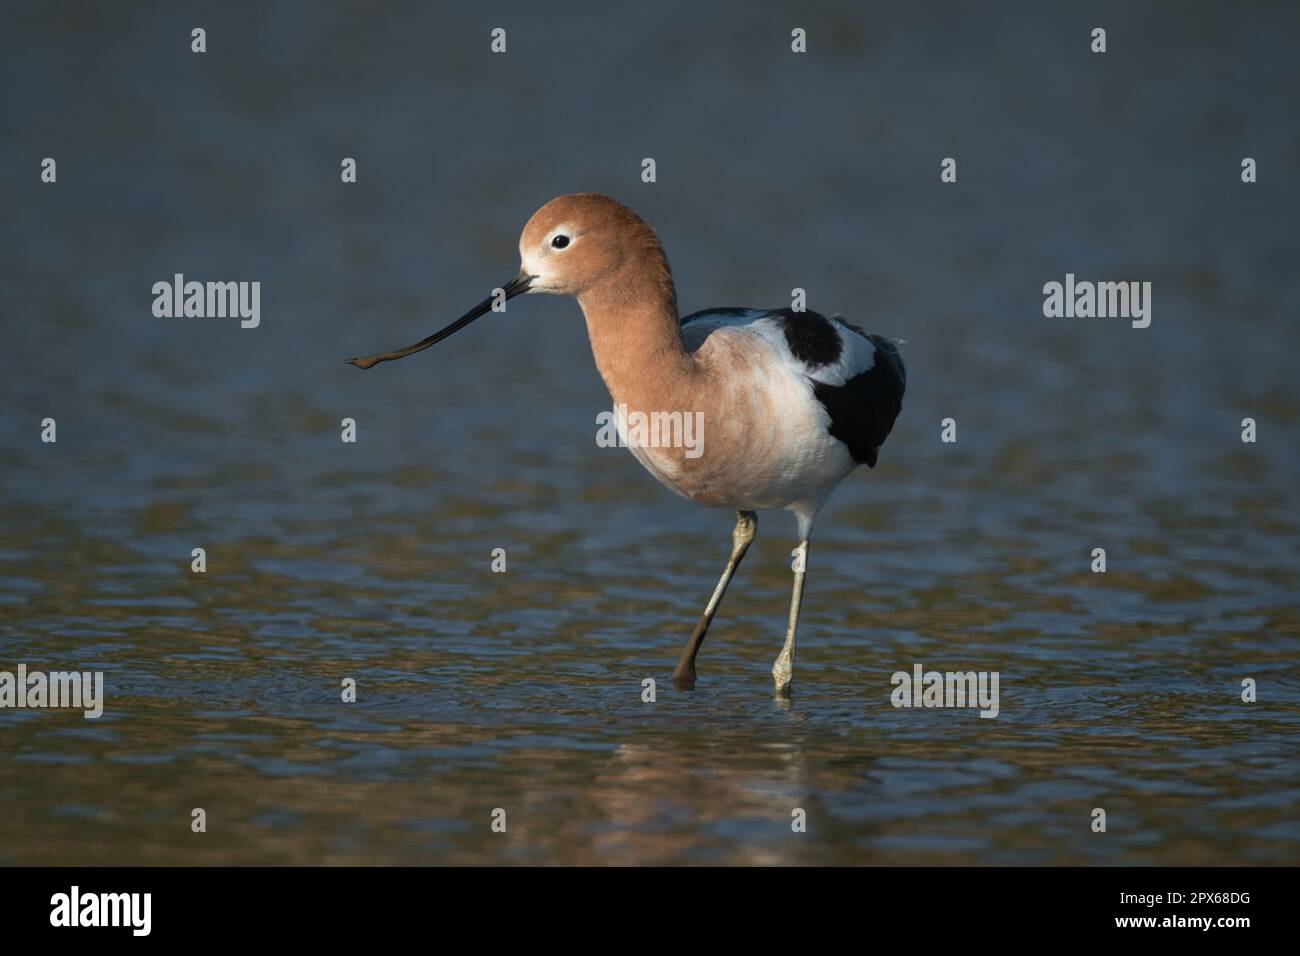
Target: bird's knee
746	529
783	670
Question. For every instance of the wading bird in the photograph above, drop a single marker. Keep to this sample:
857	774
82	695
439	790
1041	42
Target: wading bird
792	402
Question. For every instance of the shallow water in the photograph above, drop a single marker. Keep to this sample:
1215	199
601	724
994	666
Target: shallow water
523	690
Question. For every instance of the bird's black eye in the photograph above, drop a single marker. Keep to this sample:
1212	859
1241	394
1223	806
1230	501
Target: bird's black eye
559	242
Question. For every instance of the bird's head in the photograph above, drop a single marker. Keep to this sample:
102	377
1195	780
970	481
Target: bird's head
570	246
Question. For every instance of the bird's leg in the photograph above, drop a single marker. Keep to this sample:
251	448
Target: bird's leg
783	669
746	529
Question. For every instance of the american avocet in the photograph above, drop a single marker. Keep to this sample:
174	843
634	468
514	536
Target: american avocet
792	401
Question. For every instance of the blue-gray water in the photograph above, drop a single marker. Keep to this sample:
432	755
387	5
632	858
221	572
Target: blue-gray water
522	690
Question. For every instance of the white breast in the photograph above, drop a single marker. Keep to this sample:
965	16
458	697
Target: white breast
765	438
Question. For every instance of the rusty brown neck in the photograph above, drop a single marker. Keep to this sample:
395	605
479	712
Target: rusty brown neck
635	340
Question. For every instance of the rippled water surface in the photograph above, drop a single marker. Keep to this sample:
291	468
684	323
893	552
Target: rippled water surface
523	690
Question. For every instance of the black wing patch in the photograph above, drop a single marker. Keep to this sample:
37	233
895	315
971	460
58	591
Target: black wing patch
863	409
811	337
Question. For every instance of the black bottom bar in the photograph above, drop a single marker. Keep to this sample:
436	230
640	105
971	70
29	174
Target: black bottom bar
1226	906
